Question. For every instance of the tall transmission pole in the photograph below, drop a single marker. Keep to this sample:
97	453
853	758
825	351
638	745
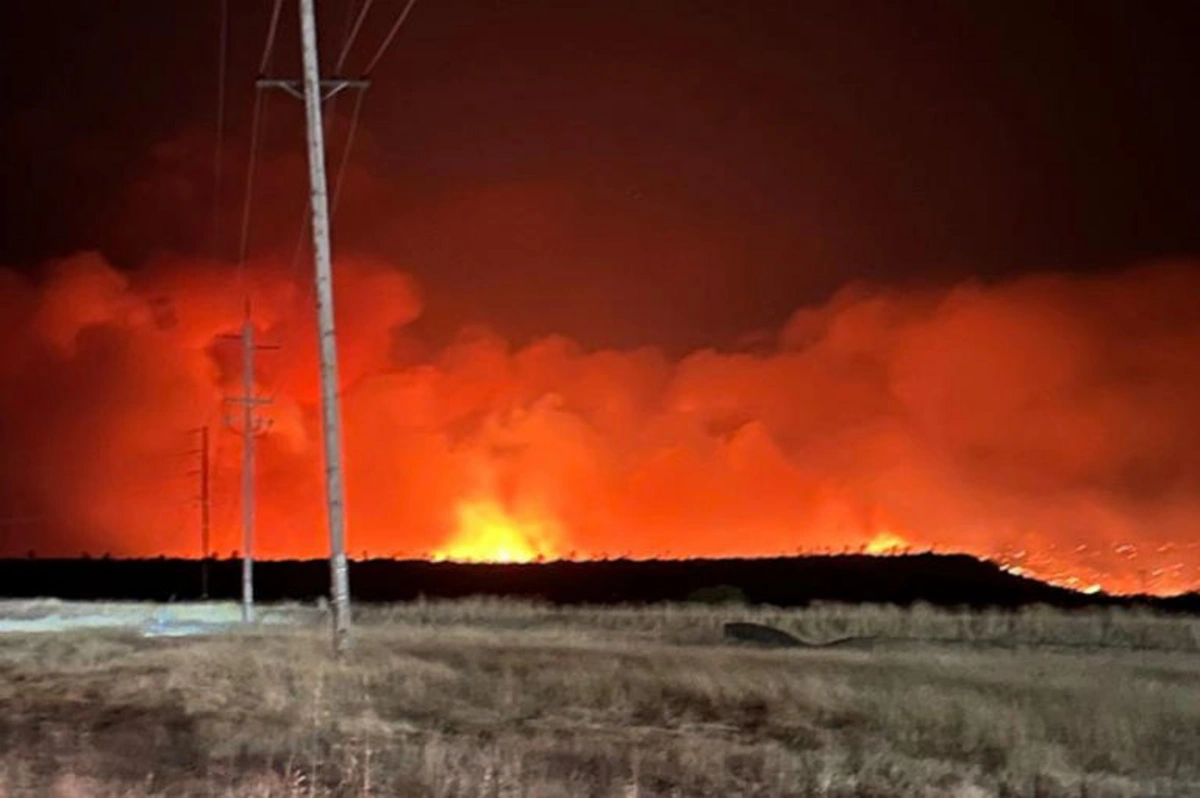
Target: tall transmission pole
330	403
251	427
314	91
205	499
331	415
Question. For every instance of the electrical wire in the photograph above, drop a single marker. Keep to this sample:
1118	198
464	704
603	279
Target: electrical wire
347	148
374	62
222	58
258	125
339	179
257	121
269	47
352	35
353	24
252	162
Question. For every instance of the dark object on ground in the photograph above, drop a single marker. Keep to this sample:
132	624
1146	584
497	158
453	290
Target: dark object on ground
770	637
761	635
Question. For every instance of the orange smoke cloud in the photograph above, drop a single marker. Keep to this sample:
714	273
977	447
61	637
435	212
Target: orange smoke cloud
1047	422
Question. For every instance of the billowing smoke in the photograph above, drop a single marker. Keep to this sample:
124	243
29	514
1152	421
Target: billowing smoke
1048	422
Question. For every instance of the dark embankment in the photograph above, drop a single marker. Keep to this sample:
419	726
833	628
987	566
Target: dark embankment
944	580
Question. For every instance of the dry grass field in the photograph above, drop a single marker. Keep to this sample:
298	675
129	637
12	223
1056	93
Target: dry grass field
500	698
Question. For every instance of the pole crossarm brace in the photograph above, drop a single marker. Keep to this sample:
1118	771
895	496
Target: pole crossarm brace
239	337
248	400
329	86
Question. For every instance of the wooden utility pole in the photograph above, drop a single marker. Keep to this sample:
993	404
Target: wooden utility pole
331	414
205	500
314	91
251	427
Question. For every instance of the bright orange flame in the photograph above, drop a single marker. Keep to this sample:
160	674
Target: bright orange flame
487	533
886	543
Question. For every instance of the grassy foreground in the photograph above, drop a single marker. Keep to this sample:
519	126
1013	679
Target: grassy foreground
488	698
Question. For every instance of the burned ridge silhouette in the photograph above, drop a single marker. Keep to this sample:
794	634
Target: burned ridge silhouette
939	580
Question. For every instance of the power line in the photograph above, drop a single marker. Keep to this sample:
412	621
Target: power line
256	118
269	47
374	62
347	42
335	202
258	123
351	36
347	147
222	57
204	467
338	182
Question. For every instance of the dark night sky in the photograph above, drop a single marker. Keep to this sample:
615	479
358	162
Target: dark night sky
664	172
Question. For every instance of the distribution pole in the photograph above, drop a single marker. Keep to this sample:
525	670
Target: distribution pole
251	427
205	510
248	433
203	498
330	409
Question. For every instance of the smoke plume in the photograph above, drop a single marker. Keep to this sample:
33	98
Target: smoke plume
1047	422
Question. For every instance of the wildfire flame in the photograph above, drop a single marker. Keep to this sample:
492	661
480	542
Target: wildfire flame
486	532
886	542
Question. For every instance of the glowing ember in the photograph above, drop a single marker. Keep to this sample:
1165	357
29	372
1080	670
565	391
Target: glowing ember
886	543
487	533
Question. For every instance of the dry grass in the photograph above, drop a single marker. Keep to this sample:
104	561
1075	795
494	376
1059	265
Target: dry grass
486	698
1033	627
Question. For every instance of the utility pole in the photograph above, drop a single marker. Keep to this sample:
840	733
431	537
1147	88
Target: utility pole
330	404
251	427
205	500
313	90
